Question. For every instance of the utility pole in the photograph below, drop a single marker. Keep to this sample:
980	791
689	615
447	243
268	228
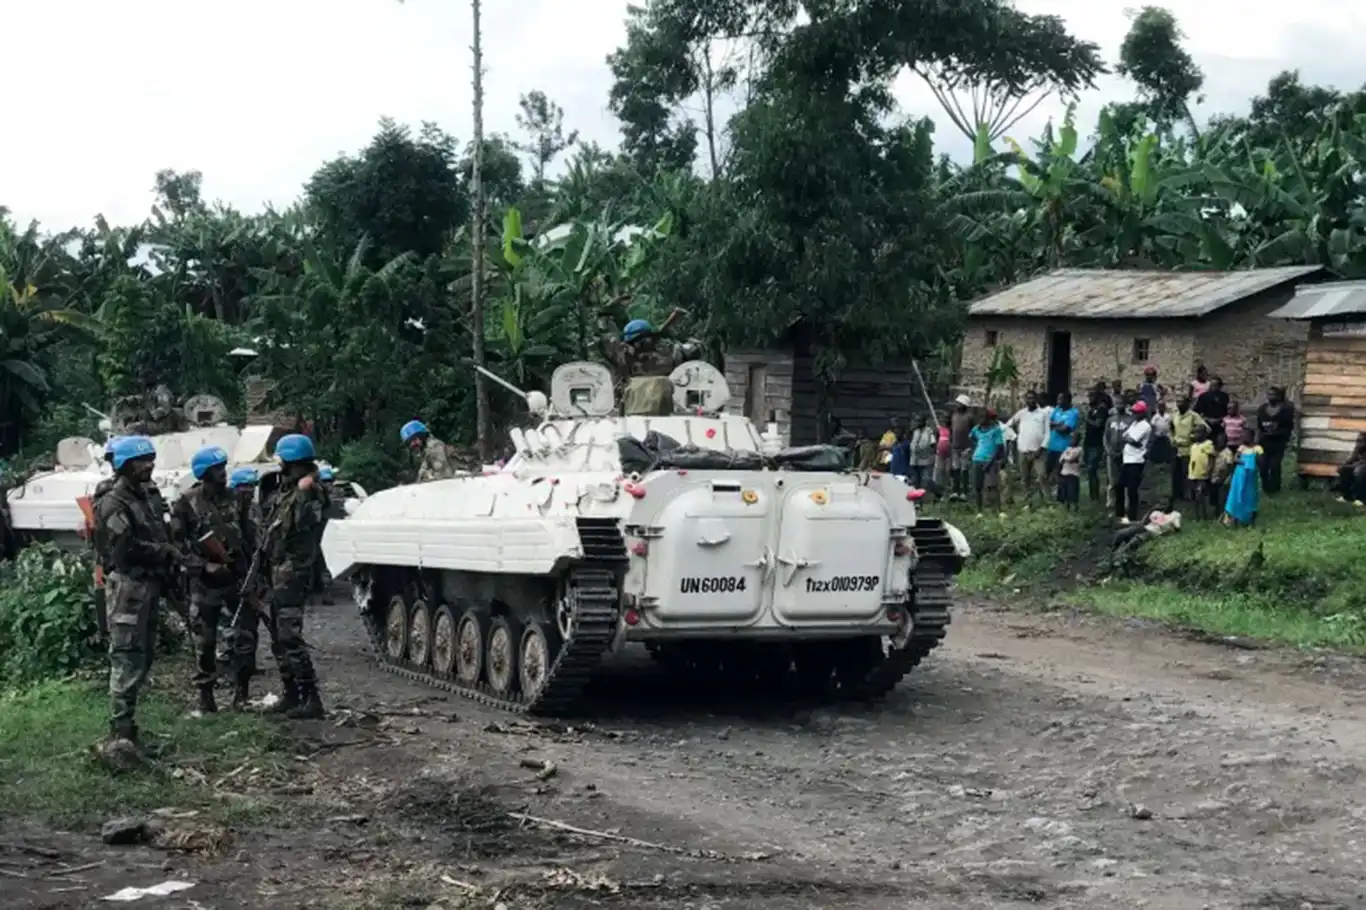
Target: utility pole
481	389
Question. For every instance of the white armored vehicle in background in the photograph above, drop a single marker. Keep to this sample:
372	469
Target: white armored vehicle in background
47	507
691	533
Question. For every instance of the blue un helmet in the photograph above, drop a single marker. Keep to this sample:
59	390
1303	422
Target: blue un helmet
131	448
413	428
205	458
244	477
109	447
326	474
636	329
294	447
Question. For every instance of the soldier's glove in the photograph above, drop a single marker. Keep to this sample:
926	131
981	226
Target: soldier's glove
190	562
172	556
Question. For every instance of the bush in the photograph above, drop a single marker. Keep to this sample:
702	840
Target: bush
47	615
374	463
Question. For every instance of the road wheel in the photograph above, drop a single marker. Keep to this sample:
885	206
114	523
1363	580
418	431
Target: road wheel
501	656
536	657
470	639
396	629
420	634
444	646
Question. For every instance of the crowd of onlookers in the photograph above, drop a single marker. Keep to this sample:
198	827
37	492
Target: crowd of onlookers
1191	442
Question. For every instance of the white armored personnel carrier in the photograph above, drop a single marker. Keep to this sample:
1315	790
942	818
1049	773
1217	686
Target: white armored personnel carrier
681	532
47	507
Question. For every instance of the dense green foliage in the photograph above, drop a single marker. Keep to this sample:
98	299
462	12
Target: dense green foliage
822	205
47	616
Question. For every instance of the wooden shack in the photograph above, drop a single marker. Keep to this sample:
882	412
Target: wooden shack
1333	397
782	383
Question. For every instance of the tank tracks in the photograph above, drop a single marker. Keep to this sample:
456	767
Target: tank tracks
593	593
867	670
929	613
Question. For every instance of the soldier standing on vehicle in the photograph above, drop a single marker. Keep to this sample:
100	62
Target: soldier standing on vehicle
209	509
142	559
292	542
437	463
643	365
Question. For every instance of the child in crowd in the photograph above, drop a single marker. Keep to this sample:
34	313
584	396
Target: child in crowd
1235	425
1224	459
987	454
1069	479
1199	465
1244	492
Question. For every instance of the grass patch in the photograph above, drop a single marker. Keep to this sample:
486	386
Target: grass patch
1295	578
49	772
1241	615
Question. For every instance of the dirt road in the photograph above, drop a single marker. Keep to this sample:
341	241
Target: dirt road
1050	760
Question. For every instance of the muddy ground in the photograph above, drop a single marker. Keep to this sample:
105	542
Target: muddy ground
1035	760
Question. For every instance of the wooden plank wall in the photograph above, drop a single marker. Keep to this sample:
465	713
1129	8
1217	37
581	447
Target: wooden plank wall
1333	403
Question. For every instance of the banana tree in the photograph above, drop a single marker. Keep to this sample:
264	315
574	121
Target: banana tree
1150	217
579	280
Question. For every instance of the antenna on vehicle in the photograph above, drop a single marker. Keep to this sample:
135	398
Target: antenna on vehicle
535	401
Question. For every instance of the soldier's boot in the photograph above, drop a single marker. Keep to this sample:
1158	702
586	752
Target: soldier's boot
289	698
207	703
241	691
312	704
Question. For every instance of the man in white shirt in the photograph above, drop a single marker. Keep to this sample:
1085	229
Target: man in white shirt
1136	439
1031	425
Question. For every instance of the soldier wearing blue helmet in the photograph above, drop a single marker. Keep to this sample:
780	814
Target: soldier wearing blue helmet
292	550
436	463
643	365
208	519
142	559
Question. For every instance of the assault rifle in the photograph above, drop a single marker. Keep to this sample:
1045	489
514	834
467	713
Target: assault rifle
254	571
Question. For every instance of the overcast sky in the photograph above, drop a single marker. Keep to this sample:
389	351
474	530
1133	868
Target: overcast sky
257	93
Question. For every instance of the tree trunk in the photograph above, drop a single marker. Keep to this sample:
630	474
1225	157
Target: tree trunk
709	100
481	390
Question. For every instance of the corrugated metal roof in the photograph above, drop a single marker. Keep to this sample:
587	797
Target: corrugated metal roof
1320	301
1117	294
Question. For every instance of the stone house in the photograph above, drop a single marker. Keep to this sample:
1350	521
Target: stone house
1071	327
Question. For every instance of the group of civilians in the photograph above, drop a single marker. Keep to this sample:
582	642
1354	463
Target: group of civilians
1217	459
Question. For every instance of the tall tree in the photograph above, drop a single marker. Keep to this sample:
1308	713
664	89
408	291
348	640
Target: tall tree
543	122
1168	79
826	223
652	72
1037	59
180	192
483	429
402	191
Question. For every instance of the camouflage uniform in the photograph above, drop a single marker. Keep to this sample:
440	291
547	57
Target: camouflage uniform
203	509
239	642
292	549
133	535
437	463
644	372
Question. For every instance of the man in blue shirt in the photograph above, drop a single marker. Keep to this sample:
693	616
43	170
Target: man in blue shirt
987	455
1062	424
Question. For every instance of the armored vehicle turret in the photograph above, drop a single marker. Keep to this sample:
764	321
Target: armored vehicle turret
686	532
47	506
